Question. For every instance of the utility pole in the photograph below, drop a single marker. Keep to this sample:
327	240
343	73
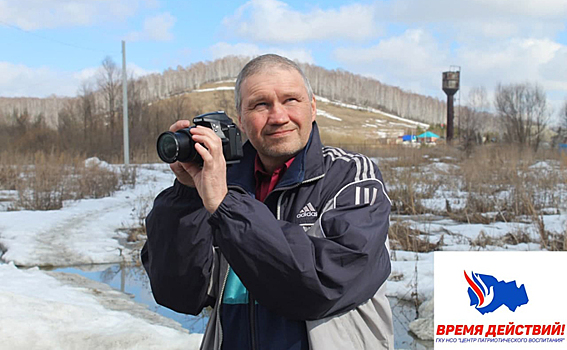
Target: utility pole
125	106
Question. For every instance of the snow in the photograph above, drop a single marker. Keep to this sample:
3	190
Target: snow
220	88
84	231
542	166
46	310
327	115
95	162
407	122
40	312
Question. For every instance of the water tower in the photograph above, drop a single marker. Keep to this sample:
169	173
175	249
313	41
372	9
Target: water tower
450	86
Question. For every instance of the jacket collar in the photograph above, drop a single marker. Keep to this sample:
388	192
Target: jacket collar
308	164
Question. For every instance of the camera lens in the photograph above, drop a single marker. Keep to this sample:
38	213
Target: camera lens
178	146
168	147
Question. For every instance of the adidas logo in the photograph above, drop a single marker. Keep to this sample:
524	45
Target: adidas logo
307	210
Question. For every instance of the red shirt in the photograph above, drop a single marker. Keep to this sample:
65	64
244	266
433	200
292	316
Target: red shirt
265	182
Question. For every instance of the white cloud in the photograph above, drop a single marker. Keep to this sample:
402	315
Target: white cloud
21	81
493	29
489	10
511	61
41	14
137	71
555	69
415	60
244	49
87	74
156	28
412	60
91	74
275	21
475	19
549	9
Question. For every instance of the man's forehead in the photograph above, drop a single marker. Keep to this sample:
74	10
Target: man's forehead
285	73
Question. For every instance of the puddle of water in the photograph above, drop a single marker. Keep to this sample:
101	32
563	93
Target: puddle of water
403	313
133	281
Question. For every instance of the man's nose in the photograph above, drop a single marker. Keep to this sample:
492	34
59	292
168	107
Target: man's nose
278	114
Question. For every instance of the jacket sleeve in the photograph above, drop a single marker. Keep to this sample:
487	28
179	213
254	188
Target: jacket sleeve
178	254
340	263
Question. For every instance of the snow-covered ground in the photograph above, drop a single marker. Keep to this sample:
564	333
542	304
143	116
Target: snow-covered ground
88	231
55	310
42	310
46	310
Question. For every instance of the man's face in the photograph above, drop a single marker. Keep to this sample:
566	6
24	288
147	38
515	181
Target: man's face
276	113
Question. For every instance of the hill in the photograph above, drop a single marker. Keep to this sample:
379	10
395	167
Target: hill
340	123
334	85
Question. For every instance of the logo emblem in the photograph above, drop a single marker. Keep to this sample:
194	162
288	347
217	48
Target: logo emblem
487	294
308	210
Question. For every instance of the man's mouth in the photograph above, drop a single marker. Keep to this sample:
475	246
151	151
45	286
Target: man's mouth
278	133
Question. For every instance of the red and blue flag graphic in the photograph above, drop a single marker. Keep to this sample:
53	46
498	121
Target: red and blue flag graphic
487	294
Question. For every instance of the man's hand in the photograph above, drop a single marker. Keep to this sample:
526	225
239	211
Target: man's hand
210	180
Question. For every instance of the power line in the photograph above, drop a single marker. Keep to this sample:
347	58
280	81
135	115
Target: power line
57	41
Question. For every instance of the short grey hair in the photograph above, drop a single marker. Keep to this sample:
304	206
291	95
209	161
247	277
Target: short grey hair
261	64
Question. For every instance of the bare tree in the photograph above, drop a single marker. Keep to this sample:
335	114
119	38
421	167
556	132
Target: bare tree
21	120
562	129
138	119
109	83
472	117
176	108
563	116
87	111
523	111
68	126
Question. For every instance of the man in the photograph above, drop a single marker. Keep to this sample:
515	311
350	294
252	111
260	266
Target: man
289	246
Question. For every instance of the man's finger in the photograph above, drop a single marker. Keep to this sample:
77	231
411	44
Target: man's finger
180	124
203	152
209	139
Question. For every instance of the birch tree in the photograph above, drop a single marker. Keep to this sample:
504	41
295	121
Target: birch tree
109	83
523	112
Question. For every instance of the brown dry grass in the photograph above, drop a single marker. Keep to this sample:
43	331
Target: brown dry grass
44	181
502	179
403	237
407	178
499	183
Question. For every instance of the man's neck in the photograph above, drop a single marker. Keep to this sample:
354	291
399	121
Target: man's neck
271	164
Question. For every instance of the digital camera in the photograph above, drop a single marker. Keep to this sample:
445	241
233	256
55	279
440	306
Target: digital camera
179	146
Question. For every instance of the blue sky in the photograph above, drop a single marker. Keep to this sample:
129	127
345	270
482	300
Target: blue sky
51	46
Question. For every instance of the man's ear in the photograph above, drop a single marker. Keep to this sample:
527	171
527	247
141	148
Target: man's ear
240	124
313	109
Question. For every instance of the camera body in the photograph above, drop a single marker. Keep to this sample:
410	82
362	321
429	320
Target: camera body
179	146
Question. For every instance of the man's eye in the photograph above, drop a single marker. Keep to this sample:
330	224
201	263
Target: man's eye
260	104
291	99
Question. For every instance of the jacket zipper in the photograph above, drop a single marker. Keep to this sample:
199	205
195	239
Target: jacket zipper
251	302
242	190
220	303
283	189
252	312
